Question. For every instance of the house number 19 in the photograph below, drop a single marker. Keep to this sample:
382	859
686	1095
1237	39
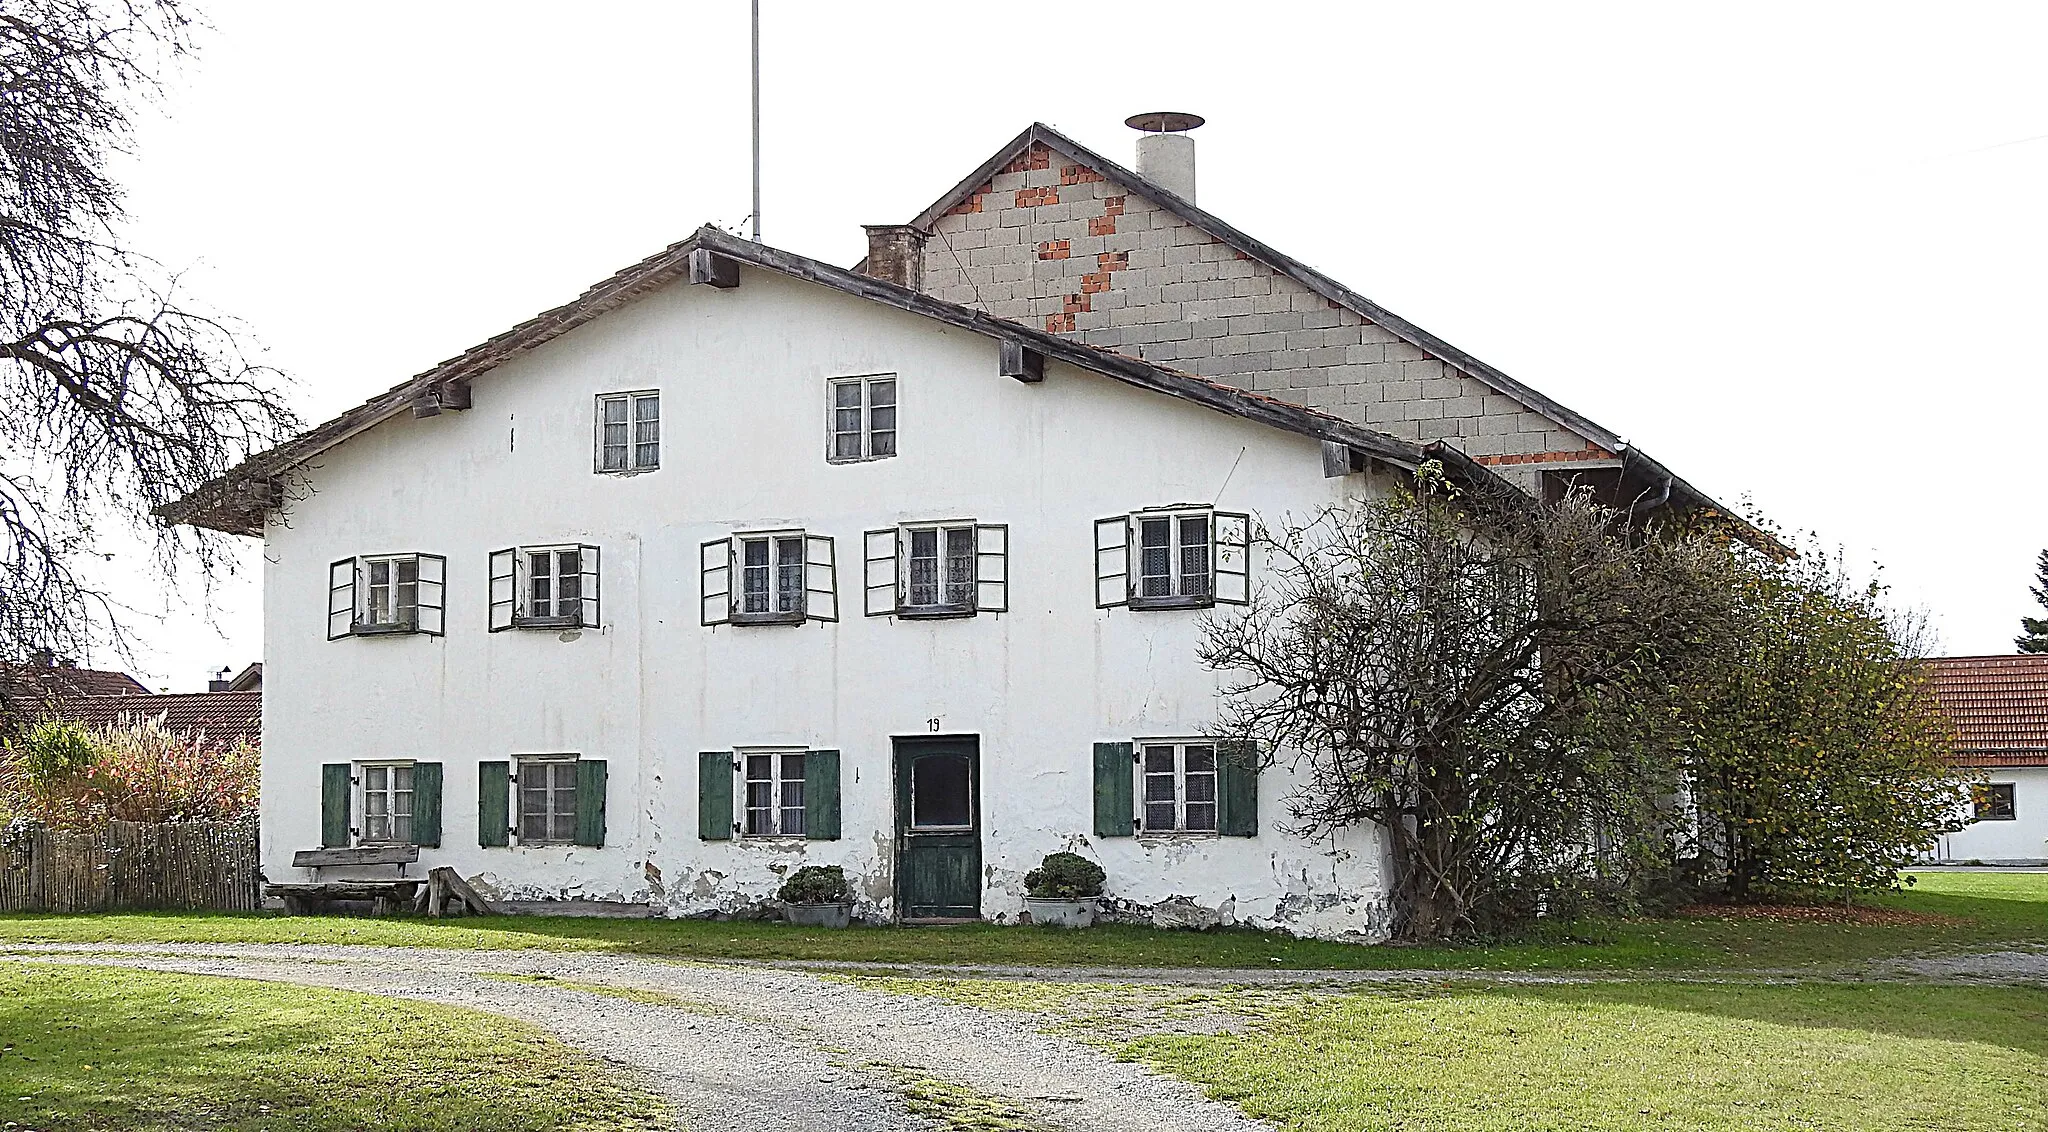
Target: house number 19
933	722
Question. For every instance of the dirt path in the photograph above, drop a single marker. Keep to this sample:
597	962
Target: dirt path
754	1048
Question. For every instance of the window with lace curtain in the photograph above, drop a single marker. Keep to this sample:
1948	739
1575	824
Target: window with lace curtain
628	432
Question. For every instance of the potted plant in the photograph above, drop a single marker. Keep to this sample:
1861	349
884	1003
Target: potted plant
817	896
1063	891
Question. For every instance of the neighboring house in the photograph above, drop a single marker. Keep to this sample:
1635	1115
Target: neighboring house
742	561
2000	705
24	686
223	718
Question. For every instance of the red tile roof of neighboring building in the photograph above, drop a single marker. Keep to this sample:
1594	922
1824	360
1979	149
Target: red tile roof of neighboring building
2000	705
224	717
43	682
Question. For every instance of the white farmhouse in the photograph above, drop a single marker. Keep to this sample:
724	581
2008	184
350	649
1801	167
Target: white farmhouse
2000	708
741	561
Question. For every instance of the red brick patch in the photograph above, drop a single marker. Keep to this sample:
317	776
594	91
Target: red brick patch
1112	261
1102	226
971	204
1112	206
1078	175
1032	198
1052	249
1077	303
1094	281
1037	157
1589	452
1059	324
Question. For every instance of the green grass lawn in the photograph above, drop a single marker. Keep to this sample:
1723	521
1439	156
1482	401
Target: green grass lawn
84	1049
1635	1056
1980	910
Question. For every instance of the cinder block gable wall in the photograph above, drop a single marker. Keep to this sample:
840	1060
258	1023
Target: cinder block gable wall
1051	243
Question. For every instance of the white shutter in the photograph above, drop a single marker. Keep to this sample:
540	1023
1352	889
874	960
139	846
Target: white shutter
879	575
715	586
1112	561
821	579
341	599
1231	557
433	577
587	558
504	588
992	567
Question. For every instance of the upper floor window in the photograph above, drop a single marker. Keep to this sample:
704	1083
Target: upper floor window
385	593
628	432
863	418
1173	558
1994	801
940	569
544	587
769	577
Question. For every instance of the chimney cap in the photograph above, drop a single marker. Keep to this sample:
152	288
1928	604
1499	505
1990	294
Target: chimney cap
1163	121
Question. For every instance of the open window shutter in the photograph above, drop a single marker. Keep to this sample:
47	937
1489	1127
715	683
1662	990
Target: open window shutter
587	556
715	570
504	588
433	575
426	805
879	577
821	795
494	804
1237	788
714	795
821	579
1115	806
1232	556
341	598
336	793
992	567
1112	561
590	795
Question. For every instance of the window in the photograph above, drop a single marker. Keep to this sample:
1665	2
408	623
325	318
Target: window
547	801
1994	801
1172	558
942	569
863	418
544	587
628	432
775	793
1178	786
385	593
769	577
387	804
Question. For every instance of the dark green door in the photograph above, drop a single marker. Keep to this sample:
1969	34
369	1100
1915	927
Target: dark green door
938	828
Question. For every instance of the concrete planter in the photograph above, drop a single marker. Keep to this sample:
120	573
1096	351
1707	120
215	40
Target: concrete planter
1062	913
818	915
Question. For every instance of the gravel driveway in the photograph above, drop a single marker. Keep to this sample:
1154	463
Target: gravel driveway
755	1048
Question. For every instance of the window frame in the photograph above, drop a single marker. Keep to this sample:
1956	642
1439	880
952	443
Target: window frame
555	618
777	542
361	832
867	408
1141	772
520	765
1984	805
632	399
906	537
779	782
1177	547
405	618
348	596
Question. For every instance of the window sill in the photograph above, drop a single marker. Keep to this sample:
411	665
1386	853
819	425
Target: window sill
858	459
623	473
2008	817
1172	602
771	840
396	629
935	612
1178	835
548	623
768	618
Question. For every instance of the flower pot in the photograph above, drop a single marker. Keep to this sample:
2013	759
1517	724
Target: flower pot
818	915
1077	913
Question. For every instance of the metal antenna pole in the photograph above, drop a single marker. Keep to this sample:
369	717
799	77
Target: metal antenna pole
757	121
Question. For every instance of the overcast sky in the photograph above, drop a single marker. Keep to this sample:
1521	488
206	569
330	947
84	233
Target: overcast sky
1795	252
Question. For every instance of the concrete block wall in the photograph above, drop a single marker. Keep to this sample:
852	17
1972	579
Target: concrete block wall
1050	243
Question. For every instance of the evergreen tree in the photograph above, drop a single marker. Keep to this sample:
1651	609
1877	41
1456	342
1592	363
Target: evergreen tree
2035	639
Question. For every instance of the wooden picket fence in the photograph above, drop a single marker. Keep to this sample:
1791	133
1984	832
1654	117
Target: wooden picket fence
132	865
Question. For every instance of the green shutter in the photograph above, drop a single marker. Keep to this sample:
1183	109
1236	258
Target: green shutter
426	805
335	794
590	792
714	795
821	795
494	804
1113	802
1237	788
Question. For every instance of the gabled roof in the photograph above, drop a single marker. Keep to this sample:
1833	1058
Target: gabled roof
32	682
1041	134
237	502
223	718
2000	706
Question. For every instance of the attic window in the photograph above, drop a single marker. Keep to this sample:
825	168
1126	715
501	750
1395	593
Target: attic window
861	418
628	432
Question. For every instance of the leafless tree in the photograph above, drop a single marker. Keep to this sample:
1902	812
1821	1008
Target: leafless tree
1477	677
116	396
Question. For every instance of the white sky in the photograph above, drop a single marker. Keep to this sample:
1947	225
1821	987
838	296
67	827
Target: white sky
1795	252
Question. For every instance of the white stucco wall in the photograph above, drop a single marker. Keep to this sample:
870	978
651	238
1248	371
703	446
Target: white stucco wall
2023	839
743	375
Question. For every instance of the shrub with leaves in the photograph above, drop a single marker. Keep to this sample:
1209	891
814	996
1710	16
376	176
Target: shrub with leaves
69	777
817	884
1065	876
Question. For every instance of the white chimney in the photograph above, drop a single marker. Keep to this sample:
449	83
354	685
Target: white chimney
1166	154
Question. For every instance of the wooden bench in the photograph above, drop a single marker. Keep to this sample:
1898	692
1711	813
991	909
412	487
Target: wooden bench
387	897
